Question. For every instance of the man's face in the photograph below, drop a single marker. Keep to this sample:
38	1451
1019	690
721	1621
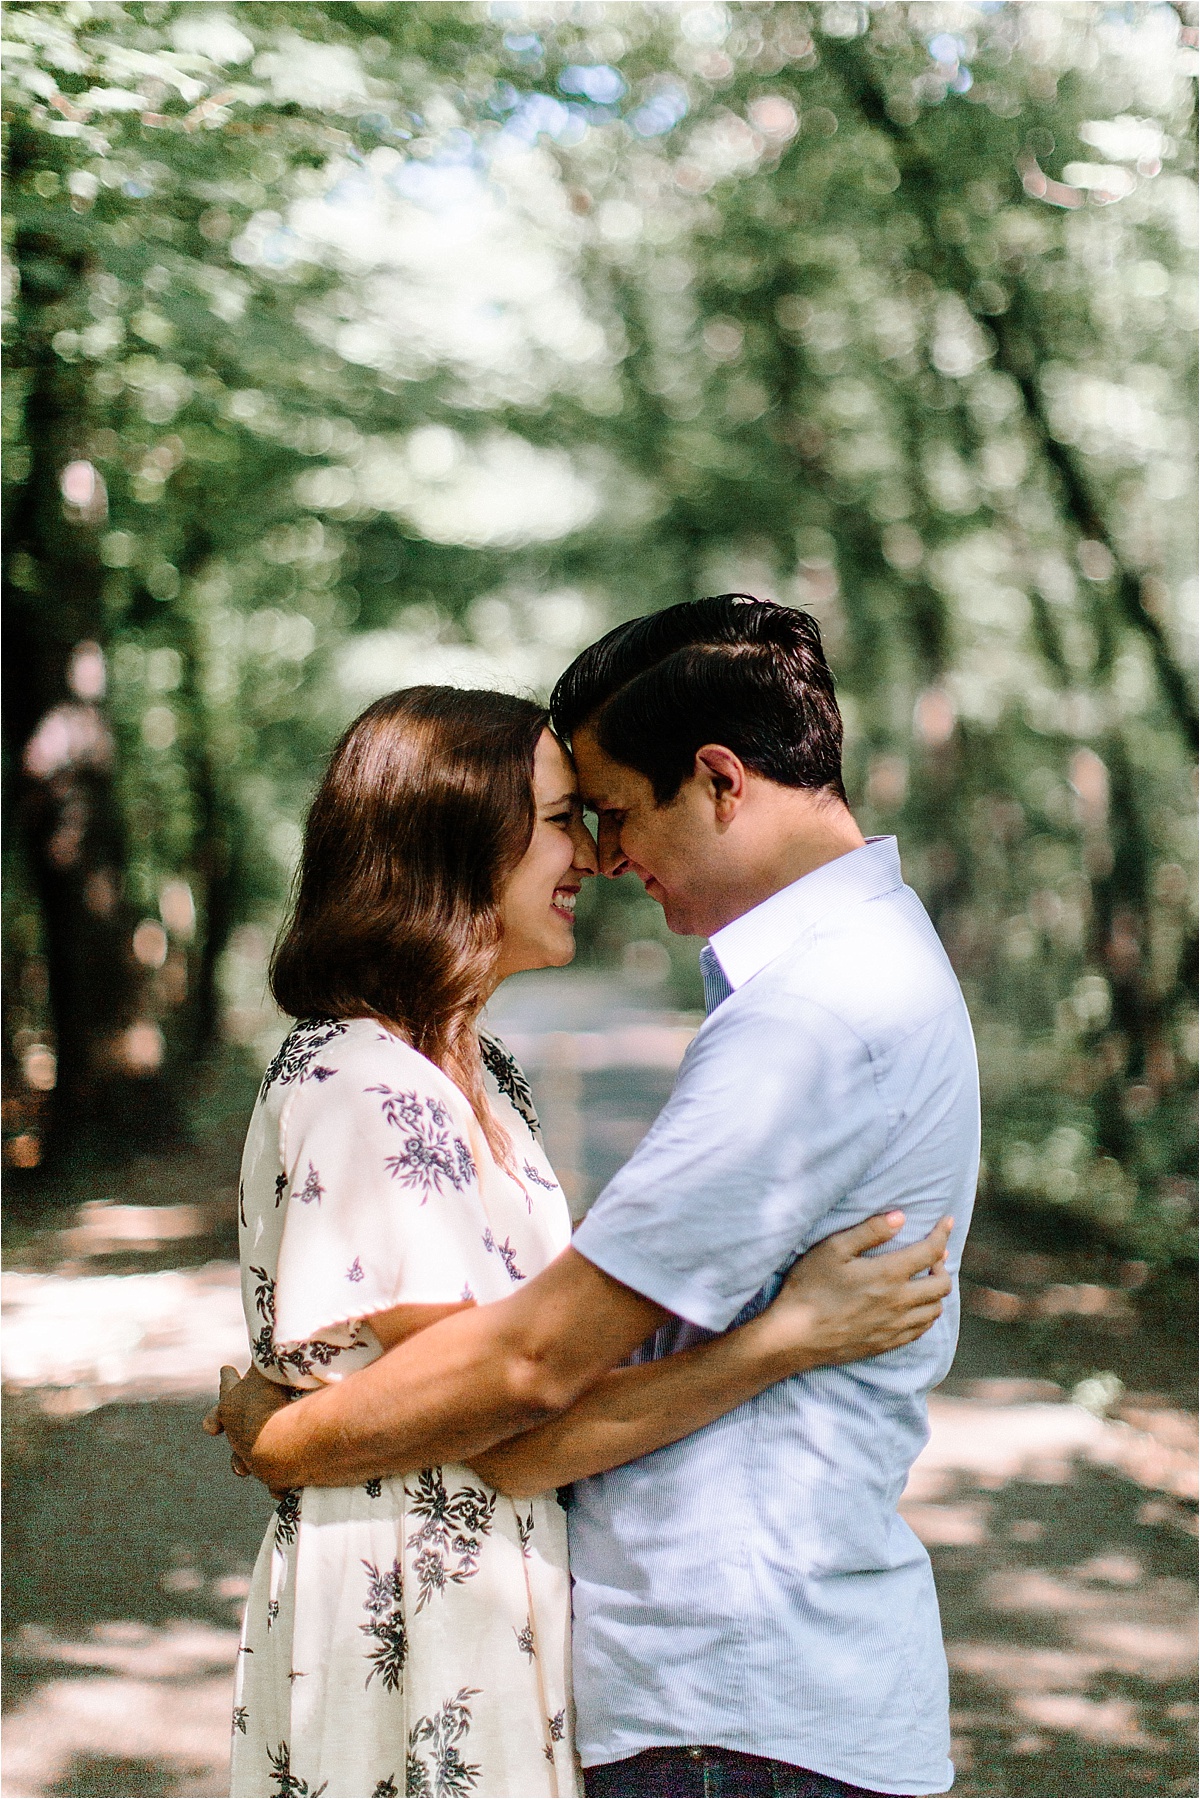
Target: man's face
674	850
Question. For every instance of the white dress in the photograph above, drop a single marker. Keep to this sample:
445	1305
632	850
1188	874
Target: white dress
406	1635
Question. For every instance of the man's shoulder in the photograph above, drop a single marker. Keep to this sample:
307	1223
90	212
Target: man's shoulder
877	969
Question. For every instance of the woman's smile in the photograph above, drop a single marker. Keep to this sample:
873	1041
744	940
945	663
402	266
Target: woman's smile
564	902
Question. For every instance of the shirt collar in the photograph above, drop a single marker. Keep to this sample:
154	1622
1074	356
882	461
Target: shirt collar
746	945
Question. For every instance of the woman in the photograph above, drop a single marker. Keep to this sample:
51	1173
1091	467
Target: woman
411	1634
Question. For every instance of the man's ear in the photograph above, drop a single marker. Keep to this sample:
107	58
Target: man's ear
726	775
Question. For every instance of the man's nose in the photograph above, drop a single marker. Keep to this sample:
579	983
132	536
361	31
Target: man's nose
585	860
613	860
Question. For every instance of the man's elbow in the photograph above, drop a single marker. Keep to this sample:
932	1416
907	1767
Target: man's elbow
504	1469
538	1388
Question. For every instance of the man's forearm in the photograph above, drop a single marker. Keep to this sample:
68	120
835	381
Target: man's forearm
395	1416
458	1388
630	1412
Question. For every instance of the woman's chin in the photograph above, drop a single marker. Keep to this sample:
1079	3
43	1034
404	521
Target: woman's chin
562	949
549	955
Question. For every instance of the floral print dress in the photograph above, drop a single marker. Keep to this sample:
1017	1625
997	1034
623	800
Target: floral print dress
407	1635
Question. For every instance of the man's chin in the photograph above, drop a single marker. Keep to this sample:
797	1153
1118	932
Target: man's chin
675	912
677	919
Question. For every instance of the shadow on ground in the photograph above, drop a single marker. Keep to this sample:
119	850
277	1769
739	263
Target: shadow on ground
128	1550
122	1777
1070	1632
1066	1605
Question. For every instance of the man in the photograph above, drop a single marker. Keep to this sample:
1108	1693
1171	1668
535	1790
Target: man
751	1615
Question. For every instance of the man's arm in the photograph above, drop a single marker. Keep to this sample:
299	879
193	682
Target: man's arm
456	1389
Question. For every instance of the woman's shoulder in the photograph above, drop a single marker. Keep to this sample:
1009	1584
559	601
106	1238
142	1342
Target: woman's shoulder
508	1077
358	1054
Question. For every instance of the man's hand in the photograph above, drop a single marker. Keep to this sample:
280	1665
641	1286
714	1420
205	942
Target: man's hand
840	1305
245	1404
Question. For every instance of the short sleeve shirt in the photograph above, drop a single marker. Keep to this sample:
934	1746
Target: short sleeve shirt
753	1587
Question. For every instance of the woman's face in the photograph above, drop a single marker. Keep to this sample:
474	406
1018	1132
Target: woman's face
537	906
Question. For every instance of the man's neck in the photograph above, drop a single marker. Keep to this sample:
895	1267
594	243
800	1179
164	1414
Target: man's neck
817	832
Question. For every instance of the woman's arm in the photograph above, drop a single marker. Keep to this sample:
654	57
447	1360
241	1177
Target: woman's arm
834	1307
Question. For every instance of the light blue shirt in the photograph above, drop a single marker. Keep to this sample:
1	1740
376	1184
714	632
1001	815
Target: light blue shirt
753	1587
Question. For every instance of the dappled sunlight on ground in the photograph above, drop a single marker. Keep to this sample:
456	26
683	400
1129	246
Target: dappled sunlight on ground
1062	1543
129	1710
129	1551
79	1342
1060	1539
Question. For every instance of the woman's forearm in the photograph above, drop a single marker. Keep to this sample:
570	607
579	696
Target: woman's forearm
631	1411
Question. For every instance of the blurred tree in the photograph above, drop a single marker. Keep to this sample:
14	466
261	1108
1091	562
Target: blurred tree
132	156
434	338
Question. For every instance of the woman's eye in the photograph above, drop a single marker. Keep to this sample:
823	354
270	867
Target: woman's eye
561	818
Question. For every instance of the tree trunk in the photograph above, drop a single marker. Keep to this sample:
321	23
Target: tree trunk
62	752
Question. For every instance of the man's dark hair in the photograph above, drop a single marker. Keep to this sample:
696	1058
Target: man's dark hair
733	670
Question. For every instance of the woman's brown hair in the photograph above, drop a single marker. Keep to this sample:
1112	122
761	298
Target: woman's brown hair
426	807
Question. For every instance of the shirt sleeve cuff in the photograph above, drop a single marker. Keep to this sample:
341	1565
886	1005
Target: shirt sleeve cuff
686	1298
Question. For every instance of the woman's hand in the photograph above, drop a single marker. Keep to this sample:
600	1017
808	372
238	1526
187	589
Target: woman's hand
840	1305
245	1404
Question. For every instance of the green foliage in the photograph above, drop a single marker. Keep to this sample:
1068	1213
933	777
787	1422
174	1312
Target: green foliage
423	341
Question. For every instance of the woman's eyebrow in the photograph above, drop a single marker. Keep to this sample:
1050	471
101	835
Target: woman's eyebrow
566	799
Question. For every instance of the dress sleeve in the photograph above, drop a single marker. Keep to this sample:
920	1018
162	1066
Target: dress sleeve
381	1181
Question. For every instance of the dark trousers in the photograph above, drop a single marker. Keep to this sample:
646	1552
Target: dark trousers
709	1774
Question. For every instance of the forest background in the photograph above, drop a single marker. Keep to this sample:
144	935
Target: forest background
353	345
